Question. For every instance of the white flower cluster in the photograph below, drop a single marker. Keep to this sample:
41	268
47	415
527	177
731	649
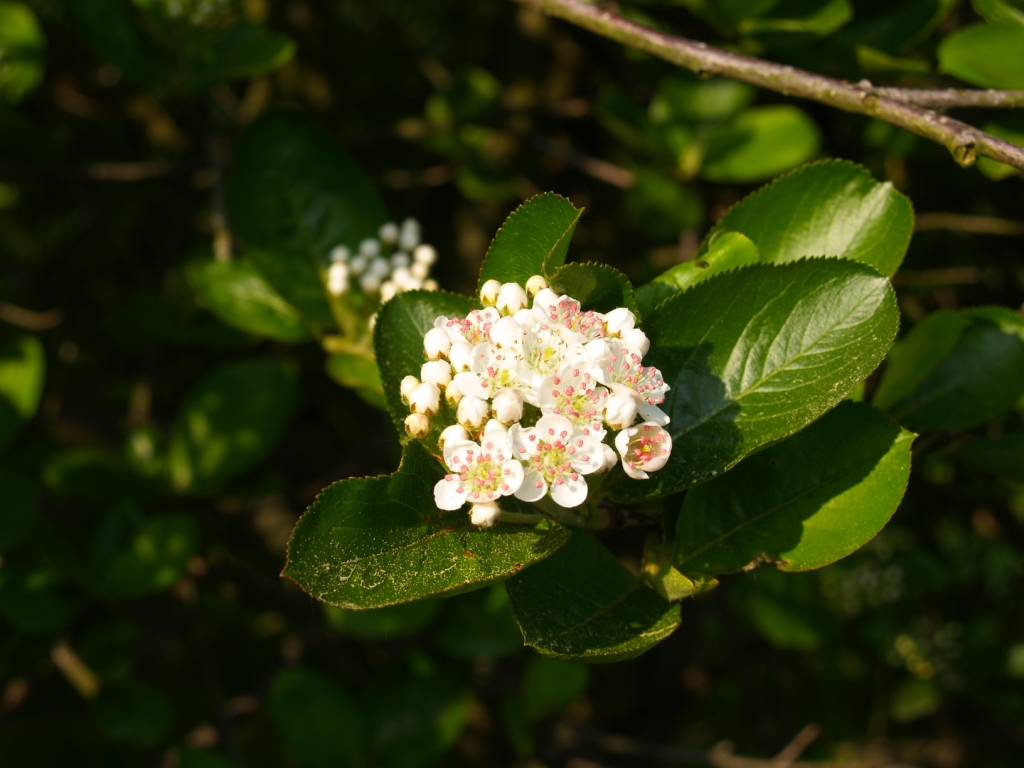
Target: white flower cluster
575	374
393	262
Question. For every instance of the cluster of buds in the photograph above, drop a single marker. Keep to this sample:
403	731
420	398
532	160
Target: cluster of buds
390	263
537	389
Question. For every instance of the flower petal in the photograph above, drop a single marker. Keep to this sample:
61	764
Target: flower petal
569	492
447	495
532	488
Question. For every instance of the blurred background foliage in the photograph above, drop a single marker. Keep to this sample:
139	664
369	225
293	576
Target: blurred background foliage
148	488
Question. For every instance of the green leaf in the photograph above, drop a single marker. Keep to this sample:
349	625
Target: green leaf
999	12
987	55
549	686
595	286
110	28
760	143
133	712
685	97
803	503
398	339
232	53
384	623
723	252
20	508
661	206
947	375
795	22
780	626
231	421
914	699
479	625
239	296
33	600
316	719
832	208
533	240
1001	456
373	542
583	605
22	374
294	195
154	559
757	354
22	51
360	373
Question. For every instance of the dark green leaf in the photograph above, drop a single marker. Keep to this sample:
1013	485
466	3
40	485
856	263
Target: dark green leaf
988	55
595	286
760	143
86	473
33	600
662	206
294	195
533	240
154	559
999	12
755	355
549	686
781	626
793	22
22	373
802	503
1002	456
22	51
239	51
480	624
230	421
133	712
724	251
398	339
316	719
832	208
583	605
939	378
384	623
20	507
361	374
112	31
684	97
237	293
373	542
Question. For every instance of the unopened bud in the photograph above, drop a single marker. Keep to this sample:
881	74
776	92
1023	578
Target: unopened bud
535	284
408	384
489	293
420	270
506	333
417	425
425	254
339	253
494	427
369	247
409	236
426	398
456	433
388	233
400	259
485	515
453	396
430	285
438	373
511	298
337	278
619	321
461	356
507	405
473	412
636	341
620	411
436	343
387	291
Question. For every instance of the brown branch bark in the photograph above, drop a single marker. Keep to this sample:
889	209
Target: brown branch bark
964	142
951	98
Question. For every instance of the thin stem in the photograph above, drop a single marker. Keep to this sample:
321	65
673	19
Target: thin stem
964	141
951	98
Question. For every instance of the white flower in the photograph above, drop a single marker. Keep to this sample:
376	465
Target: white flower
409	236
452	396
388	233
460	355
405	388
544	353
456	433
556	456
620	410
472	412
387	291
425	398
506	333
369	283
535	284
399	259
489	293
369	247
485	515
493	425
575	394
492	369
480	472
417	425
644	448
340	253
607	459
378	267
337	278
436	343
621	369
439	373
619	321
507	406
419	270
637	339
430	285
511	298
473	329
424	254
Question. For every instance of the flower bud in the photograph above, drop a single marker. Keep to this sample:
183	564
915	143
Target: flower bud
417	425
399	259
372	322
506	333
619	321
453	396
337	278
535	284
430	285
636	341
453	434
461	356
370	283
358	264
409	383
511	298
507	405
425	398
644	448
379	267
420	270
473	412
494	427
619	411
424	254
387	291
439	373
489	293
339	253
388	233
436	343
484	515
369	247
409	236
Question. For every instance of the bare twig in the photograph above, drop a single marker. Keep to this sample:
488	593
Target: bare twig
29	319
975	225
950	98
965	142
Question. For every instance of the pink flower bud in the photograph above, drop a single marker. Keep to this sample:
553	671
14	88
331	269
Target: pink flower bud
417	425
508	406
